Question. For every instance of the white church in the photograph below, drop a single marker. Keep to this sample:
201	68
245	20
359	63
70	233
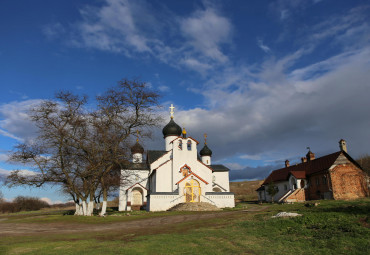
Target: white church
173	176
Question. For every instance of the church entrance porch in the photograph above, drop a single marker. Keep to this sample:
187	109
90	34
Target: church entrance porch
192	191
137	199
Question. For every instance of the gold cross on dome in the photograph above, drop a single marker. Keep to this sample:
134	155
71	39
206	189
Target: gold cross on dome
172	111
137	135
205	138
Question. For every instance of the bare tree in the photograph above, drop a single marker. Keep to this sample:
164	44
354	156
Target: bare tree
364	162
81	148
1	197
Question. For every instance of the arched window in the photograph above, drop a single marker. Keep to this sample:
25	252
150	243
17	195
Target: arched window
137	196
192	191
189	145
180	144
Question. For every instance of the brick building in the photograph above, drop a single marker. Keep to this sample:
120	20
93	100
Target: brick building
334	176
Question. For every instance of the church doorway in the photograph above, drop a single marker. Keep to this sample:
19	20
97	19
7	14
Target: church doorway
192	191
137	199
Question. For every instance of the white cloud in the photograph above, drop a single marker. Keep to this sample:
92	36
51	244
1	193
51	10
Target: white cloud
252	157
284	14
264	47
194	41
4	157
351	28
50	202
234	166
4	172
283	110
53	31
23	172
47	200
15	122
7	134
164	88
206	31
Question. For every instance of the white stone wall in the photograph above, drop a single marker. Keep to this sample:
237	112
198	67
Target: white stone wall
163	178
168	140
161	160
222	179
281	193
133	177
221	200
206	160
163	202
182	157
122	200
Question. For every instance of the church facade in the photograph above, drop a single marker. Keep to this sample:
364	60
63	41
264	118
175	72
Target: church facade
173	176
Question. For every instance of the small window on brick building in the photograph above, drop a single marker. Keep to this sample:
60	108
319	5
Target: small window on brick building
317	181
324	179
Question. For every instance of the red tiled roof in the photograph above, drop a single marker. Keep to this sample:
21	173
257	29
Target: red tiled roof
298	174
301	170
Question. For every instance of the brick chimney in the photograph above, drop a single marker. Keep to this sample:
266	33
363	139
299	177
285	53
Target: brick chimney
343	145
310	155
304	159
287	163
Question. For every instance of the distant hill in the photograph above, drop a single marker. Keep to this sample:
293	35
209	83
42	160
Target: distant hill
245	191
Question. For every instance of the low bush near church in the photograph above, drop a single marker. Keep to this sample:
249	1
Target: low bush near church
22	203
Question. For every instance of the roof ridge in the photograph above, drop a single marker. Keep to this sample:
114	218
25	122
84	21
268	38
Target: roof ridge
318	164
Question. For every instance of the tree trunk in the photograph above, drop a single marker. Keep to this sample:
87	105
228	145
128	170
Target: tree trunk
84	209
79	210
105	198
90	208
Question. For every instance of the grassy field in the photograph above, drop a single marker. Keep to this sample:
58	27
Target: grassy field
246	190
332	227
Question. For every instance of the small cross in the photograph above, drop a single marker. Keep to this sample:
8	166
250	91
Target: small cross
205	138
172	111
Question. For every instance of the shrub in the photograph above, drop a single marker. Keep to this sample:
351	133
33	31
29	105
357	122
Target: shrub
22	203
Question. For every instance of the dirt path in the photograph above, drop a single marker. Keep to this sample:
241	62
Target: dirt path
135	225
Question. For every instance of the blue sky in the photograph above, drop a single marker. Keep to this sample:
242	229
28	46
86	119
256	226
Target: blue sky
264	79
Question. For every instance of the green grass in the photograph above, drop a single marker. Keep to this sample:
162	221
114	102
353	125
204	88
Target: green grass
333	227
60	216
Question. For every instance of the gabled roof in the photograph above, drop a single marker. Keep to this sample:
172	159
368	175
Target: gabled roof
303	169
190	175
135	185
163	163
298	174
154	156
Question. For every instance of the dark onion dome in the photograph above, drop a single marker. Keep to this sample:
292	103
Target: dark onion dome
137	148
171	129
205	151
